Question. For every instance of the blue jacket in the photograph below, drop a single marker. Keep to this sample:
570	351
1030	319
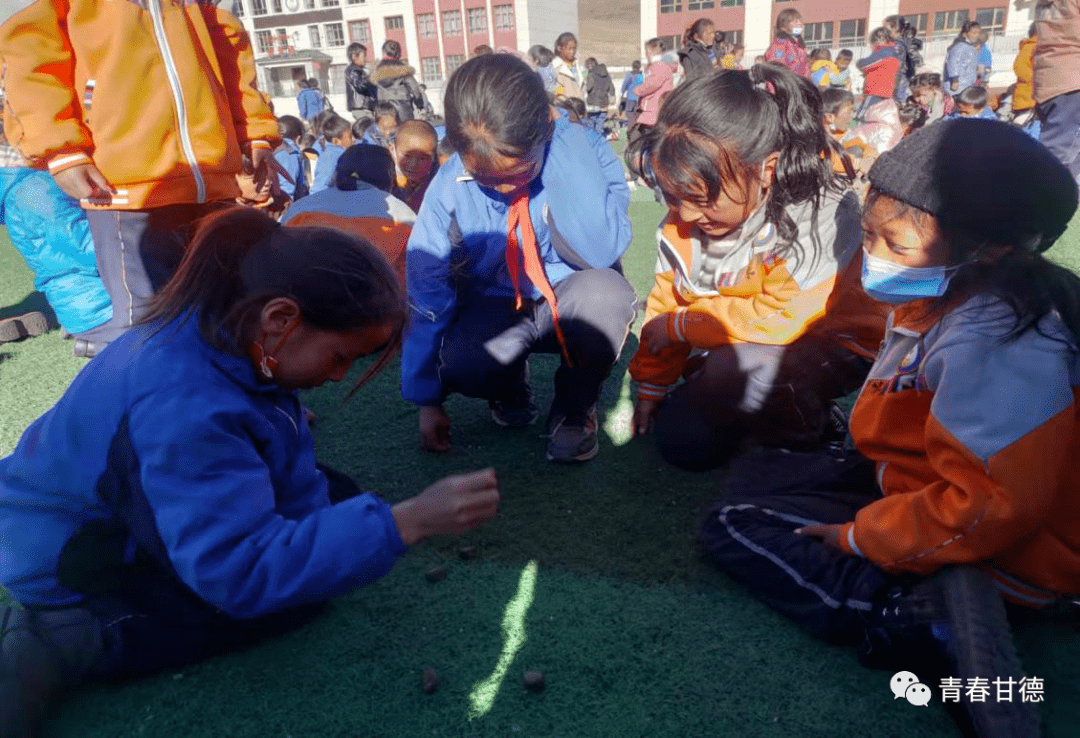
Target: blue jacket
325	167
178	450
293	161
629	84
311	103
961	62
458	244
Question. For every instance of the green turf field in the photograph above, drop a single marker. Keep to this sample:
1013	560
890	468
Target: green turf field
591	574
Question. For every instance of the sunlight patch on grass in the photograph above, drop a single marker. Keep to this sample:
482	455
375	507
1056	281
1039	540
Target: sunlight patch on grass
483	694
621	417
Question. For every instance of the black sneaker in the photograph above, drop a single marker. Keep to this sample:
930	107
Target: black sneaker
954	625
41	652
518	410
573	437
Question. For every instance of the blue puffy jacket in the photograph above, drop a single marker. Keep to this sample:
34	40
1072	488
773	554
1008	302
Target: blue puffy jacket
170	447
51	232
579	208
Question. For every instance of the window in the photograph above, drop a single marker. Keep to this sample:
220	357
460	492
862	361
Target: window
919	21
948	22
335	82
360	31
238	8
700	4
451	23
355	2
453	61
335	34
730	3
670	6
309	4
331	3
733	37
394	22
818	34
671	43
425	25
992	20
275	5
316	38
429	68
852	32
264	41
477	20
258	7
504	17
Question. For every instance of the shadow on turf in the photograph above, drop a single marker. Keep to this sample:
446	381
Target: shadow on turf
35	301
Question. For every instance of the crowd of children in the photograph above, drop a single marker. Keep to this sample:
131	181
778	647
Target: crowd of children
814	245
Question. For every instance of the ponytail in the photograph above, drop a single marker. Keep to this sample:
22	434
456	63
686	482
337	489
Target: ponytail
695	30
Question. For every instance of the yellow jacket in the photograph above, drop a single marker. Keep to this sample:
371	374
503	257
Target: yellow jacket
1023	97
160	96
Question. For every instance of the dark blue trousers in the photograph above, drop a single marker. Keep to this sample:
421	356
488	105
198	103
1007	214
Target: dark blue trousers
1061	129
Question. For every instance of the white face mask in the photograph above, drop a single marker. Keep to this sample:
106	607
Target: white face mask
796	30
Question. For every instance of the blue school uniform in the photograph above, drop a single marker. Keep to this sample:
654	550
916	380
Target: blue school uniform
325	167
458	245
167	448
293	161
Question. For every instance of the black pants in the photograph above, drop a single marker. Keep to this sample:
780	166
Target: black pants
151	622
750	535
777	395
137	253
484	351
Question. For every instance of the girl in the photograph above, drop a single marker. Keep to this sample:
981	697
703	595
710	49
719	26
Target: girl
822	68
733	59
658	82
694	54
962	59
758	266
927	92
969	415
788	47
169	507
517	250
542	58
569	75
880	70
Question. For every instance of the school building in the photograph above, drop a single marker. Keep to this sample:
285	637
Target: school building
301	39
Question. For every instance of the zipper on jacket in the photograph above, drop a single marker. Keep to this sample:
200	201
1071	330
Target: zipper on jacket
178	98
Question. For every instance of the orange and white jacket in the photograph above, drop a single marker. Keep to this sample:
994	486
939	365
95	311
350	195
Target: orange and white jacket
740	289
977	449
160	96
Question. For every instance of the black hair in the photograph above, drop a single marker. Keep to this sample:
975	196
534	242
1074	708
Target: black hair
880	36
313	84
496	105
575	106
365	163
590	60
354	49
360	128
657	43
713	133
307	141
912	116
696	29
965	29
834	98
636	64
483	49
926	79
334	126
542	56
821	53
290	127
844	54
444	149
301	83
391	49
386	109
241	258
909	33
1032	30
785	17
973	95
894	20
564	38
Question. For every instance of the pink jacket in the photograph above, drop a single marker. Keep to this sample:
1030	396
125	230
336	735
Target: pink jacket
659	80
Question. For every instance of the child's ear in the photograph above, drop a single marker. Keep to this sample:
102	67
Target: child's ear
769	170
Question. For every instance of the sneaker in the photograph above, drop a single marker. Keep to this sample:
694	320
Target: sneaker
955	623
41	652
518	411
30	325
573	437
84	349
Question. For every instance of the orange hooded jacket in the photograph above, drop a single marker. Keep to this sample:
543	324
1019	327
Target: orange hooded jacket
160	96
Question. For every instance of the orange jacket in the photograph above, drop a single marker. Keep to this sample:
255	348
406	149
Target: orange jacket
159	95
758	296
977	450
1023	97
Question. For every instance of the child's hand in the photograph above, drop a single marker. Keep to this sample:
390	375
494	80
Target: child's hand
827	534
84	182
451	506
644	412
434	429
654	334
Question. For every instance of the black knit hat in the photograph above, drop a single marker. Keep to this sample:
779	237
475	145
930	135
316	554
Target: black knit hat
984	179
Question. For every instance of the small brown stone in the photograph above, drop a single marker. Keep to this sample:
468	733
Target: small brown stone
534	681
436	574
432	680
467	552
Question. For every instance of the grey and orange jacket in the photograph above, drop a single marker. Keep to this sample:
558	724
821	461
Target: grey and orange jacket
763	292
160	96
977	450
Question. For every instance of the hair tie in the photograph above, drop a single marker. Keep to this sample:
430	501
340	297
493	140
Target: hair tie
765	86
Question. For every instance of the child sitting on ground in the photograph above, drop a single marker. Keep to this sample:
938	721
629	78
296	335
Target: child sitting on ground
385	127
926	90
292	159
822	68
852	157
413	150
963	488
733	59
758	268
337	132
972	103
170	507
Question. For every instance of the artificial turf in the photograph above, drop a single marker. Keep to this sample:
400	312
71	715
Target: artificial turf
635	634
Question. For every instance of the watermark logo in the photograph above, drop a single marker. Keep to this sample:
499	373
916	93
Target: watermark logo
975	689
907	685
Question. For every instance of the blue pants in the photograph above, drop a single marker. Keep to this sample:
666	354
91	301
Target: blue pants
484	351
596	121
1061	129
51	232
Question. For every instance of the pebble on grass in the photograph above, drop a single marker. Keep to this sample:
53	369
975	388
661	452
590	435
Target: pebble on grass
467	552
436	574
432	680
534	681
